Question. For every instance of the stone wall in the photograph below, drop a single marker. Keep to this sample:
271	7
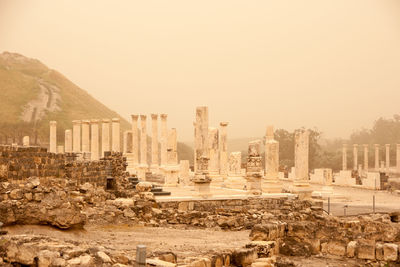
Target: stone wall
19	163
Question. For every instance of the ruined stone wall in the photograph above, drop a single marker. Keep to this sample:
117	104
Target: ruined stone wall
19	163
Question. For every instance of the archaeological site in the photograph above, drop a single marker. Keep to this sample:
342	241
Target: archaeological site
223	133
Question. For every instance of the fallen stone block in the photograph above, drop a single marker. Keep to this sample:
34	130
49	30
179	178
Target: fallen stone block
159	263
390	252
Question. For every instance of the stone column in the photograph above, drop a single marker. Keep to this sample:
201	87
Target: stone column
60	149
105	136
271	182
344	157
53	137
355	157
26	141
387	146
235	162
94	141
184	172
68	141
223	149
135	140
301	150
116	135
172	147
85	136
163	139
127	142
254	168
202	179
377	157
213	146
398	158
142	169
154	142
76	128
366	157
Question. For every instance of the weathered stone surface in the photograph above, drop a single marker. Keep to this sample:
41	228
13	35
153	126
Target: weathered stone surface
390	252
144	187
244	257
351	249
366	249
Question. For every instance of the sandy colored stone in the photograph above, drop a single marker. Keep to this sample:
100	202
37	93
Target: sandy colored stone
390	252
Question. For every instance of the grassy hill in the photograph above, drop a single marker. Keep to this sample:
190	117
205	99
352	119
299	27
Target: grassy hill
31	95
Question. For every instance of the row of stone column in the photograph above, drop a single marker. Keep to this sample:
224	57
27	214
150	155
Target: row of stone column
377	156
85	138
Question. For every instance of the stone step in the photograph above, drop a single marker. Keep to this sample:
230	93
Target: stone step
163	193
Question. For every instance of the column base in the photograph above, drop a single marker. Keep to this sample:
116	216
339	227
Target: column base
171	176
302	189
141	172
271	186
254	184
236	182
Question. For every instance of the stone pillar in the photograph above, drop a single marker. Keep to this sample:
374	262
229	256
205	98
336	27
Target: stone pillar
25	141
154	142
68	141
223	149
60	149
163	139
184	172
172	147
142	169
127	142
398	158
377	157
387	146
366	157
53	137
213	138
355	157
76	128
116	135
135	141
235	162
85	136
301	150
94	140
344	157
270	183
254	168
202	179
105	136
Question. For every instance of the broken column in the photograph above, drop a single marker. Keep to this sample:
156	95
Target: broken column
184	168
398	158
53	137
105	136
344	157
387	146
135	142
163	139
254	168
68	141
127	148
85	136
76	129
366	157
172	168
301	183
142	169
25	141
213	163
94	141
376	157
271	183
355	157
116	135
223	150
154	143
235	178
201	178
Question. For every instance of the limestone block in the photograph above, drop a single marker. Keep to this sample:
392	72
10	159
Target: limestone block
379	251
351	249
366	249
244	257
159	263
144	187
334	248
390	252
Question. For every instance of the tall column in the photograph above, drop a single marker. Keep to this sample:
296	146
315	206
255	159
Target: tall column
377	157
94	140
398	158
201	139
135	140
68	141
172	147
53	137
154	142
127	148
254	168
344	157
105	136
85	136
355	157
76	128
271	182
143	140
213	146
301	150
366	157
116	135
223	149
163	140
387	146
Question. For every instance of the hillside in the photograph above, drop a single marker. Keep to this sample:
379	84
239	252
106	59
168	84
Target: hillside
31	95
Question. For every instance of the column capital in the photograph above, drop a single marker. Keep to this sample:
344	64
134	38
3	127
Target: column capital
76	122
376	145
143	117
134	117
115	120
163	116
53	123
85	121
355	145
94	121
223	123
154	116
105	120
387	145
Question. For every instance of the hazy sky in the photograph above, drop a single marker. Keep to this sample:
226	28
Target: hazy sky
332	64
